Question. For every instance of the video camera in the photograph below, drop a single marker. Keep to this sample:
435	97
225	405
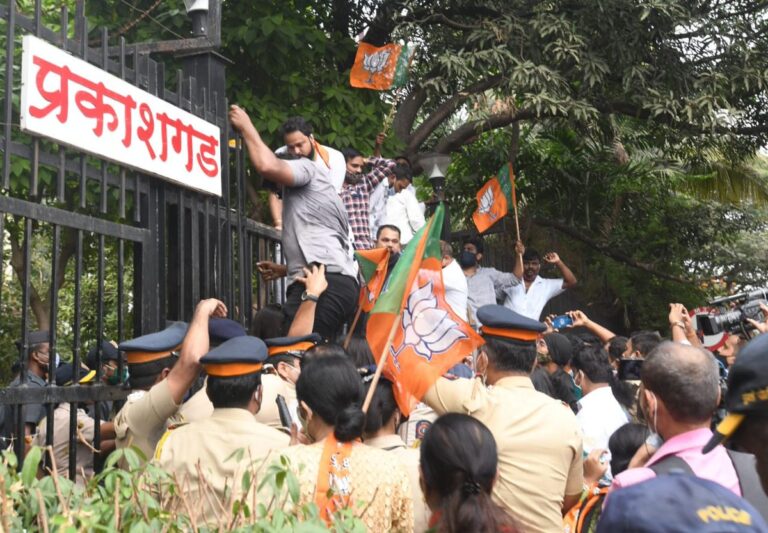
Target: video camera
734	320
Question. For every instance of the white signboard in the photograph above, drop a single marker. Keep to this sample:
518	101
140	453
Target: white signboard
73	102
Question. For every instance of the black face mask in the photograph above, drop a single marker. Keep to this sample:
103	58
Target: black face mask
353	178
467	259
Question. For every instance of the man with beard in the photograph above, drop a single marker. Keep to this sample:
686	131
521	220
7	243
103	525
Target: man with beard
315	231
300	141
356	193
530	297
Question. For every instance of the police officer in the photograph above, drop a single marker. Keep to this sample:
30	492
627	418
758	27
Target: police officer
38	364
747	403
220	330
160	379
538	438
203	455
284	367
85	432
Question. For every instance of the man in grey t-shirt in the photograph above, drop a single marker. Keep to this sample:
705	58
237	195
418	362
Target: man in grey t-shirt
315	230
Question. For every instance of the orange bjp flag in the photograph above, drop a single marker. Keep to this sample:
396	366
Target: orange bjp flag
429	338
373	267
375	66
491	205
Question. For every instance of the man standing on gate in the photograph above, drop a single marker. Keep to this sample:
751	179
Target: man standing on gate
300	141
315	230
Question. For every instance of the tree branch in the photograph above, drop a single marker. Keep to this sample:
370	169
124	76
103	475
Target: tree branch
39	309
406	114
461	135
448	108
607	249
440	18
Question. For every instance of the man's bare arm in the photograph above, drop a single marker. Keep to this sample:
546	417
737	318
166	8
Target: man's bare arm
264	160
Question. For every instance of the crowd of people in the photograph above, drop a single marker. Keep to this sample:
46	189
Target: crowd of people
553	424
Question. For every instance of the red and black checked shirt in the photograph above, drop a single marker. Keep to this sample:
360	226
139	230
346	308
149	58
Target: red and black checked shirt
356	200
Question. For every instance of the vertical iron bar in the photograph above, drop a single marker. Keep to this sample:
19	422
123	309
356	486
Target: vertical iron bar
38	17
34	176
24	356
8	111
230	267
194	250
180	246
241	260
54	298
207	248
180	219
136	184
75	352
99	338
62	174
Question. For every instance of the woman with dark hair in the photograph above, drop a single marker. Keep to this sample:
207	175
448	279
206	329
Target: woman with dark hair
459	462
381	422
337	470
555	352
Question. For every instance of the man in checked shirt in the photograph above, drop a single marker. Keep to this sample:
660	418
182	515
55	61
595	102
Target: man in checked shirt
356	193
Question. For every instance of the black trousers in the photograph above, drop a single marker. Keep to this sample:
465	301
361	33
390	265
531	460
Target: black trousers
335	307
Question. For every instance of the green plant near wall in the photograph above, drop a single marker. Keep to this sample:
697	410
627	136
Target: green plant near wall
144	498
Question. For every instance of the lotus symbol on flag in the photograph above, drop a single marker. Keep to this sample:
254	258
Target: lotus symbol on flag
427	328
486	202
376	63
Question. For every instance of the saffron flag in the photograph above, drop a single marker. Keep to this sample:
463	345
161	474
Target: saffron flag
373	267
380	68
494	199
429	337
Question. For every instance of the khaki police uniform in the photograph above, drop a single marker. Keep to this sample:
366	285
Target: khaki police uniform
538	440
272	385
208	447
209	457
85	435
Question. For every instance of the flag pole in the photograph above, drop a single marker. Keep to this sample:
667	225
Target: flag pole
352	327
382	362
514	205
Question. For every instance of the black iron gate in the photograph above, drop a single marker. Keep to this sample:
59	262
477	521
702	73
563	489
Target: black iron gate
100	251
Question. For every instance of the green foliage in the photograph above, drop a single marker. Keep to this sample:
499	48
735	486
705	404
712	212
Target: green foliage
689	70
286	64
144	498
630	229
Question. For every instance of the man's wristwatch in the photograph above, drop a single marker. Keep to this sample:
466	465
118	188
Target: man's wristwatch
680	324
311	297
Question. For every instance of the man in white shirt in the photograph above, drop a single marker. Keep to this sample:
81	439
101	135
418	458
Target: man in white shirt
403	208
530	297
600	413
454	281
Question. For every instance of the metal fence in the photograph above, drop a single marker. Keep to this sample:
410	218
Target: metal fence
104	252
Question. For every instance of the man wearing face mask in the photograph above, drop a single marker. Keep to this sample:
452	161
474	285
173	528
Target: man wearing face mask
680	392
356	193
485	285
37	370
279	378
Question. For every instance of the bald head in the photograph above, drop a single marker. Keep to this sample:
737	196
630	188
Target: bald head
685	378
